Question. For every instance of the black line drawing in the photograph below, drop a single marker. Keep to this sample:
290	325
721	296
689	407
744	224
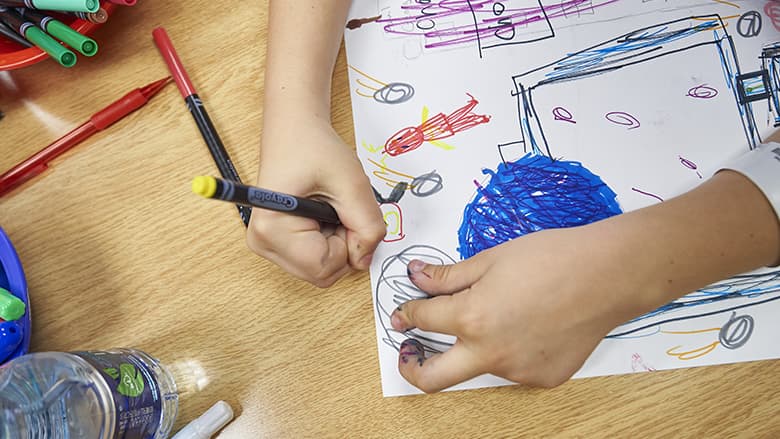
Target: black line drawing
394	288
749	24
632	49
770	62
739	292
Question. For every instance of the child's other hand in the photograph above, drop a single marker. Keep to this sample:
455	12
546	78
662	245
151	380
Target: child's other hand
530	310
309	159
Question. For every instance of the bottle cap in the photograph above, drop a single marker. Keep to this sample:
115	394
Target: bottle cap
208	423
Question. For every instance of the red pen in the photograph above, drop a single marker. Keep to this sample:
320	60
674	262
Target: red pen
99	121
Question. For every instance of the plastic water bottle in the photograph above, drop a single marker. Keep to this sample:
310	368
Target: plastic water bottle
121	393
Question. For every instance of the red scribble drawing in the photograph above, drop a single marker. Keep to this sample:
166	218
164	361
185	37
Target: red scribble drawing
772	10
437	127
638	364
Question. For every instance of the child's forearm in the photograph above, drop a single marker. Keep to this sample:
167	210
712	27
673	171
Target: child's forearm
724	227
303	42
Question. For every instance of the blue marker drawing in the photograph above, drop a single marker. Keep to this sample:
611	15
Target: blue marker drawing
530	194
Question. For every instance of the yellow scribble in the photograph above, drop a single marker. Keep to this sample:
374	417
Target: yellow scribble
367	75
386	174
694	353
441	145
724	2
369	147
397	221
368	86
695	331
360	82
437	143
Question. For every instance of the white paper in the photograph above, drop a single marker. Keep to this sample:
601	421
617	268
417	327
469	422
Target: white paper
639	100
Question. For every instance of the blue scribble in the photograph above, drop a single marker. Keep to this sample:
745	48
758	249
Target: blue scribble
645	42
530	194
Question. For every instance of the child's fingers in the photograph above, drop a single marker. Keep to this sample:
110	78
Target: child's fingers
437	314
297	245
365	227
446	279
440	370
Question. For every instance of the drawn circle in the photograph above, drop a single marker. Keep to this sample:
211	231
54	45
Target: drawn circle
623	118
427	184
736	332
394	288
429	24
562	114
498	8
501	33
394	93
688	164
749	24
702	92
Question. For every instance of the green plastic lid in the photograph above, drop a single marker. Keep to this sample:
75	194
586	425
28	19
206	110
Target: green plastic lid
85	45
11	307
51	46
68	5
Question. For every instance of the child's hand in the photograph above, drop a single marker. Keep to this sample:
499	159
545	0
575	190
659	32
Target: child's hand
312	161
530	310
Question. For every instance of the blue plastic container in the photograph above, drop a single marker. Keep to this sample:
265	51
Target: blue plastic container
12	279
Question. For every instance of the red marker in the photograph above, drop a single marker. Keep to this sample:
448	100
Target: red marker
198	111
123	2
99	121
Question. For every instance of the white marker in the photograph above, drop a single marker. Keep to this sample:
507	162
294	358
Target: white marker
208	423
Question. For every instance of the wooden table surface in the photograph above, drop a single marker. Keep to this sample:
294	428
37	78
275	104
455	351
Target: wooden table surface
119	253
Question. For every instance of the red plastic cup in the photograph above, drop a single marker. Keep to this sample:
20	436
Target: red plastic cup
12	57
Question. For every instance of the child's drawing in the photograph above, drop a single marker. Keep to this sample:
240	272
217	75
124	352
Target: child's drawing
595	108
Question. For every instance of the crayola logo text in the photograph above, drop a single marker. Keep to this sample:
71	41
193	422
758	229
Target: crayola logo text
260	197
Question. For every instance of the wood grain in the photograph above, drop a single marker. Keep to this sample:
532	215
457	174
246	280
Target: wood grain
119	253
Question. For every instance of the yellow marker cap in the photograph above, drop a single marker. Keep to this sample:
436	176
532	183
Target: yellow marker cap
204	186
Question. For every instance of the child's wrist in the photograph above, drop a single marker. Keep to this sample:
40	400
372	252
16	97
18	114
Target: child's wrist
722	228
293	101
628	287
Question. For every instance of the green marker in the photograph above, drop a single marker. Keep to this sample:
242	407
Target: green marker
85	45
38	37
67	5
11	307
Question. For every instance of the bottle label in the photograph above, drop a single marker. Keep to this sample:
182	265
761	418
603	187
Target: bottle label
137	398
